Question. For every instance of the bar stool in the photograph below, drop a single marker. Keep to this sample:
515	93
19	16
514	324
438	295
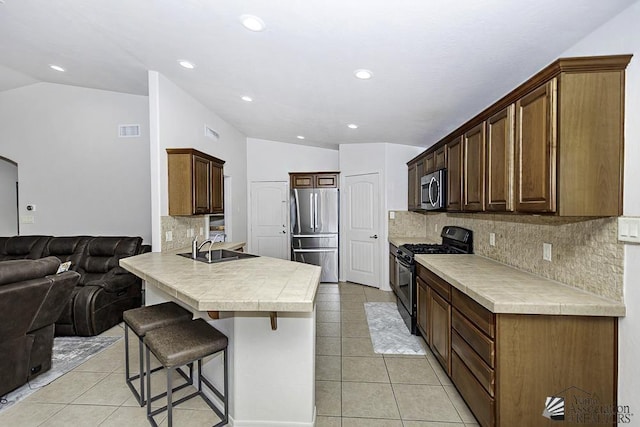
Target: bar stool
142	320
182	343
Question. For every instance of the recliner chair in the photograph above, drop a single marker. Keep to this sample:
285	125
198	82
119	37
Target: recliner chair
32	296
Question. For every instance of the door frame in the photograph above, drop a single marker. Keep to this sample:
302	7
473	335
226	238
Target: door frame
382	224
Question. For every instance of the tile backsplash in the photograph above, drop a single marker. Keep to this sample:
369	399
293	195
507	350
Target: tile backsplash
180	227
586	253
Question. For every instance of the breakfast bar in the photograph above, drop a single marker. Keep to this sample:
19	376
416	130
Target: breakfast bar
266	307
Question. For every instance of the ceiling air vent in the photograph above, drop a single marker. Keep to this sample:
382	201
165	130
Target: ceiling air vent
210	133
128	131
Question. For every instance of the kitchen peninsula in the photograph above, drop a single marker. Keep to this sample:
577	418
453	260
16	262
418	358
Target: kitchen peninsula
266	307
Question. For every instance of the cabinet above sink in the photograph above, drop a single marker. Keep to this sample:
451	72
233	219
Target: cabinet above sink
196	182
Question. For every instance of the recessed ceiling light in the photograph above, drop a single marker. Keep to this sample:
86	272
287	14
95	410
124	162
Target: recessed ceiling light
186	64
352	126
56	67
252	23
247	98
300	137
363	74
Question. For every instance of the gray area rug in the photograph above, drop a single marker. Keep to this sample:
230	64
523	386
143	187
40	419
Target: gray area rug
389	333
68	352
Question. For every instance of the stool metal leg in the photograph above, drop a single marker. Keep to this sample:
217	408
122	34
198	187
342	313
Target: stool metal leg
169	397
141	371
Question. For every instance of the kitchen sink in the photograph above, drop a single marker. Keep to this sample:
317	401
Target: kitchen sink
218	255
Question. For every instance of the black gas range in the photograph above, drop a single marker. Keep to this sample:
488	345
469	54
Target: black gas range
455	240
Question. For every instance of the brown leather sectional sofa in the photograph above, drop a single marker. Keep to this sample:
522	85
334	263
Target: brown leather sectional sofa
32	296
104	290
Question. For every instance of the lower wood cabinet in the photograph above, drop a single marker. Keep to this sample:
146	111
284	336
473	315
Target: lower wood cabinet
422	297
505	366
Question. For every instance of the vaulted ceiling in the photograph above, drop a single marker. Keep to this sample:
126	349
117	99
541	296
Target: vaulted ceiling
434	63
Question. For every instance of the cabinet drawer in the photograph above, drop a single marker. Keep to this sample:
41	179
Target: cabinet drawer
326	181
483	345
481	404
483	373
435	282
480	316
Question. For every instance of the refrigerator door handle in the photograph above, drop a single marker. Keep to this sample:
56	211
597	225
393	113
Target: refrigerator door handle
297	203
313	226
315	211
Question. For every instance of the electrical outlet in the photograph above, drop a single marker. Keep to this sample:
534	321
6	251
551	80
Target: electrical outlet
191	232
201	231
435	228
546	251
492	239
168	236
392	215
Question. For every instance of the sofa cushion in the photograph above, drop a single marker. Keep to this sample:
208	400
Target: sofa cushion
103	254
67	248
25	269
24	247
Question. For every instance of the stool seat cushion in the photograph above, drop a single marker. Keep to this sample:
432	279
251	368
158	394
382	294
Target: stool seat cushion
144	319
184	342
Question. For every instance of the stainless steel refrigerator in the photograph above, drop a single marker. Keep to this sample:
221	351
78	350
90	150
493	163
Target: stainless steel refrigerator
314	229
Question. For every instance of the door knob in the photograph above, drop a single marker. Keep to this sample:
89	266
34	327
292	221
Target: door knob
375	236
284	231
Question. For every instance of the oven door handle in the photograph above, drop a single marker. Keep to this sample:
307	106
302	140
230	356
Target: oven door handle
402	263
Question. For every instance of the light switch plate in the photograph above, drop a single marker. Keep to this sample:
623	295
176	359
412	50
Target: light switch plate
27	219
546	251
392	215
168	236
629	229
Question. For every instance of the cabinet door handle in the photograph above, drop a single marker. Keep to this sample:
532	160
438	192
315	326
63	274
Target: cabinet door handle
375	236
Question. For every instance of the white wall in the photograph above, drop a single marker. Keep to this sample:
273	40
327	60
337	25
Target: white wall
389	160
177	120
272	161
8	198
81	176
620	36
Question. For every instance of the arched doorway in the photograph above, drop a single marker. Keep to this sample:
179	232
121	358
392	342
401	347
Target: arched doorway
8	197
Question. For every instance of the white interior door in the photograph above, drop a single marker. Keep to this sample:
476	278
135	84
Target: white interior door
269	219
8	198
362	230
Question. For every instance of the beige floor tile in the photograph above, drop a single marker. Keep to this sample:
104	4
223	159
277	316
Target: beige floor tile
352	306
112	390
370	422
67	388
442	375
328	305
354	316
328	398
358	347
328	346
191	418
471	425
411	371
328	288
80	415
411	401
355	329
364	369
129	417
158	386
359	297
328	421
29	414
106	361
351	288
376	295
328	297
327	329
327	316
368	400
462	408
116	331
430	424
328	368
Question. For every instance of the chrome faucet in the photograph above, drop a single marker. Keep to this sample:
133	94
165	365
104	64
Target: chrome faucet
195	248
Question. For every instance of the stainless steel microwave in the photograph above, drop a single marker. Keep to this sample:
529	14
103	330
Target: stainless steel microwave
433	195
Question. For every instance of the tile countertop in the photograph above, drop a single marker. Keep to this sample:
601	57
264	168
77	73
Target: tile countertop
250	284
503	289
